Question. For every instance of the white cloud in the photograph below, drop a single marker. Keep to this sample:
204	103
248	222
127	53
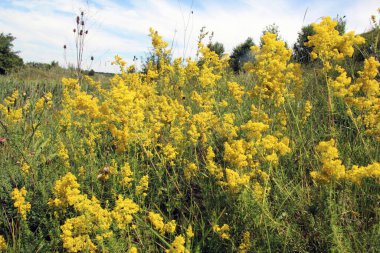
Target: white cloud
43	27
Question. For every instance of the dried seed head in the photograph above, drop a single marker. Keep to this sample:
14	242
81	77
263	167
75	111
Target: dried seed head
86	31
81	32
82	13
64	46
78	20
74	30
82	23
92	58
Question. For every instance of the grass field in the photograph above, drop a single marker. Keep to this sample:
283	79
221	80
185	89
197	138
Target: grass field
190	157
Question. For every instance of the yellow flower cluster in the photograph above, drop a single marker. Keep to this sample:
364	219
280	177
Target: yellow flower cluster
46	100
235	181
25	167
277	78
8	109
178	245
158	223
358	173
3	244
328	45
222	231
93	221
363	93
143	186
245	244
307	110
237	91
23	207
189	232
132	250
158	43
211	166
245	158
122	213
333	169
127	175
190	170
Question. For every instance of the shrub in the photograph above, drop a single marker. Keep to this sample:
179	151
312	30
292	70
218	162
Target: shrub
8	58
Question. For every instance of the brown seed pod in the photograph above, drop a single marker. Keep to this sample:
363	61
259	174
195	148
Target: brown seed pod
78	20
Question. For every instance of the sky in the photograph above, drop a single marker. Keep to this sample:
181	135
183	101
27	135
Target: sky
121	27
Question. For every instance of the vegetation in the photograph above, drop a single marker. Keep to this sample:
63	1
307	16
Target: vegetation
9	60
189	157
301	52
241	54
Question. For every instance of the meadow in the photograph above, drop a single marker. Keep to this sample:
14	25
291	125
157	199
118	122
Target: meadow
189	156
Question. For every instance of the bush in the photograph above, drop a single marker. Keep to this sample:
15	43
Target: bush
241	54
8	58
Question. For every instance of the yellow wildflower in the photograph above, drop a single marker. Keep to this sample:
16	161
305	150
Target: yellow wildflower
332	167
23	207
222	231
3	244
157	221
25	167
143	186
329	45
190	170
169	152
189	232
307	110
132	250
237	91
245	244
122	213
74	235
127	175
178	245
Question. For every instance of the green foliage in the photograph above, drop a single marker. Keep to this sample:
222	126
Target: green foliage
91	72
371	47
241	54
217	47
301	53
8	58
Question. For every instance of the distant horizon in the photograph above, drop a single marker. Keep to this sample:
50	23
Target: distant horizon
121	28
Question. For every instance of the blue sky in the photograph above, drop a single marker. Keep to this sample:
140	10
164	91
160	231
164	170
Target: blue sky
121	27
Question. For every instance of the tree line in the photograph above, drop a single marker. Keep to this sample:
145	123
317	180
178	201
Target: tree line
10	60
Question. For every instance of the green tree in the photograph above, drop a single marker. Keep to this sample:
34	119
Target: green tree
217	47
8	58
273	28
241	54
301	53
